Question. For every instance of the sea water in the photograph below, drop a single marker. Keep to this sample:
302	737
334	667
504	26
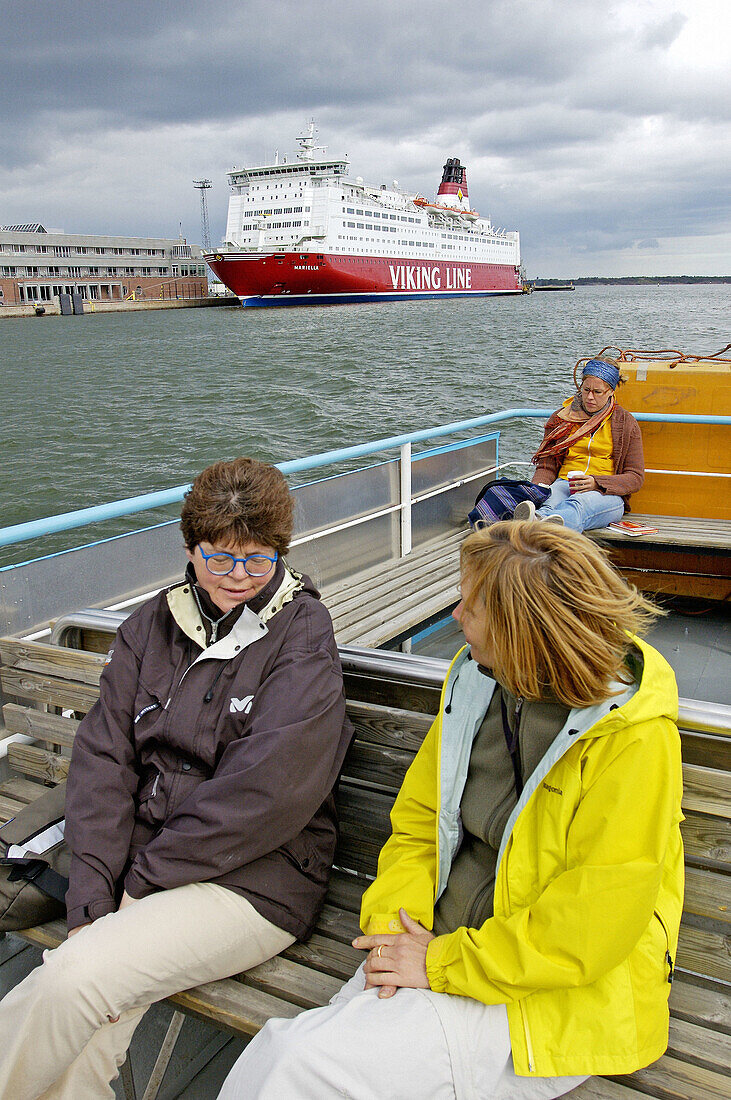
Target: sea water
105	406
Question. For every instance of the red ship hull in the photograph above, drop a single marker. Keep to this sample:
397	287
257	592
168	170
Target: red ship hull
292	278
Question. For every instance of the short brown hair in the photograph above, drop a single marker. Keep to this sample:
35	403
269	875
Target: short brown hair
237	502
558	614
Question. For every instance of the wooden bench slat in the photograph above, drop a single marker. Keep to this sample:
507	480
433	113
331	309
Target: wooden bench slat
9	807
297	983
420	698
52	728
41	763
374	586
673	1079
694	1043
707	840
708	750
708	894
238	1008
321	953
601	1088
338	924
22	790
706	789
699	1004
704	952
51	660
378	765
52	690
390	726
346	890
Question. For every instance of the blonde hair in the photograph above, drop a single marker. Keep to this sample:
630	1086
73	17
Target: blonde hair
557	614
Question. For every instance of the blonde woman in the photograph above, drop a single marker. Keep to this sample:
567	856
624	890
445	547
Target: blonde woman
522	926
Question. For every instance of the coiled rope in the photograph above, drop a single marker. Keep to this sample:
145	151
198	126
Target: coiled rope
670	355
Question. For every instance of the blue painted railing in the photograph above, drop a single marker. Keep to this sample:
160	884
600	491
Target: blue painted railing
20	532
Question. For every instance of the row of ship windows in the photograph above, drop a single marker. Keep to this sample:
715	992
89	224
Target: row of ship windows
276	210
411	244
270	225
80	250
394	229
375	214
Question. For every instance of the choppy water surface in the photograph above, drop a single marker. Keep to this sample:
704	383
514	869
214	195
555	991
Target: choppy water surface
106	406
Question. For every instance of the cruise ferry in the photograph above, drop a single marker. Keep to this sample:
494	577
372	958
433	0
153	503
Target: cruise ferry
306	232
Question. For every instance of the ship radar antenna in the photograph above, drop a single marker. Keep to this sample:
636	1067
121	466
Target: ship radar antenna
203	186
307	143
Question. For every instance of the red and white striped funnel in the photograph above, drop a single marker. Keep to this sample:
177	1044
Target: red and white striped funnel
453	188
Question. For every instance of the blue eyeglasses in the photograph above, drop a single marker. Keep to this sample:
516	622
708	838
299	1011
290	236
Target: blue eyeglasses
221	564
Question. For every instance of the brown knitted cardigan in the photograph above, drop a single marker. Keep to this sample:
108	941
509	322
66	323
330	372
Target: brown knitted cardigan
627	457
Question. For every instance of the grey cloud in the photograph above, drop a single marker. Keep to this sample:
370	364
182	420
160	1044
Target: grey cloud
544	101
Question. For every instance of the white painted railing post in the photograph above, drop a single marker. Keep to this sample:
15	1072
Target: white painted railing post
405	499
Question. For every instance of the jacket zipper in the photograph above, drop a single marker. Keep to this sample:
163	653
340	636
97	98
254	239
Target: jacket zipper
668	956
528	1043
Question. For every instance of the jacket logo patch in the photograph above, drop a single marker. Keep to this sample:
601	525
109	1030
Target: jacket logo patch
553	790
241	706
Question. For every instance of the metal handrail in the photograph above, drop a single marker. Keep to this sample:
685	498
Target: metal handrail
693	714
20	532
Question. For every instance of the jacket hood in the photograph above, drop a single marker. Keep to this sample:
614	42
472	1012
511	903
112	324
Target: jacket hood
655	695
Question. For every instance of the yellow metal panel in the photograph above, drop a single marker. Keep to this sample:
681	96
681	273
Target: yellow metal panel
698	388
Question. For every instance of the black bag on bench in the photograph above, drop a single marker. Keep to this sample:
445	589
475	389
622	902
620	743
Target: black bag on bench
34	863
498	500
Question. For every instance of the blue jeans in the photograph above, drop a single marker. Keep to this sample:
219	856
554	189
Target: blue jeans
582	511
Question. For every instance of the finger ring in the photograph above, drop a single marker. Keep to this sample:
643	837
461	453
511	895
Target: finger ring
380	949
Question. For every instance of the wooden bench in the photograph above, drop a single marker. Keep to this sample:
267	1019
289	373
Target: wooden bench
391	701
687	557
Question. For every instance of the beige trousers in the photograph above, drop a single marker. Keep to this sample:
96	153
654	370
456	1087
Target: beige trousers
56	1038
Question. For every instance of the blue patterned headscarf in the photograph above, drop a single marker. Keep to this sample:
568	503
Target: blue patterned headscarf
598	368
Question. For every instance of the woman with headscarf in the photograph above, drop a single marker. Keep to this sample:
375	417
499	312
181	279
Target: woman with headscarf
591	455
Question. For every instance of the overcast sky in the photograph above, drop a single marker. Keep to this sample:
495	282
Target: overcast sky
598	129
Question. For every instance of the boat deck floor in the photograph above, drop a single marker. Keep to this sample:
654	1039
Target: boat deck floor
694	639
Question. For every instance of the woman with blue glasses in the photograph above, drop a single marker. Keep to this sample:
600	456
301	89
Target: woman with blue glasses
200	811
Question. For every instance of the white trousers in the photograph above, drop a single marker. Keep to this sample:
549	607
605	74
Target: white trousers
56	1038
418	1043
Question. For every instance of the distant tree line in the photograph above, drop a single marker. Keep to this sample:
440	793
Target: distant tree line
633	280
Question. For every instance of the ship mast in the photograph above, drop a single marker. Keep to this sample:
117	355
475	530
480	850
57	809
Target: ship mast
308	149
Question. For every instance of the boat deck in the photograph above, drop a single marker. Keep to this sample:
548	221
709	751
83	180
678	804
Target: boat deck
389	601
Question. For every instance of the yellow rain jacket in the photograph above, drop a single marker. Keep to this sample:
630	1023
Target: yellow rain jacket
589	884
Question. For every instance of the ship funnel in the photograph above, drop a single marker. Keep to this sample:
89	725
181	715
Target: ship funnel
454	184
